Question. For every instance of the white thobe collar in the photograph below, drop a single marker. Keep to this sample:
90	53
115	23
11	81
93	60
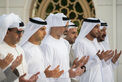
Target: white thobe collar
54	38
9	45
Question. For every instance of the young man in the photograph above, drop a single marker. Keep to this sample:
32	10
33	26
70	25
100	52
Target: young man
112	62
31	40
84	46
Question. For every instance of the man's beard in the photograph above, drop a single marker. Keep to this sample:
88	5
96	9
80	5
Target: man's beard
93	35
38	39
17	40
99	39
102	38
71	41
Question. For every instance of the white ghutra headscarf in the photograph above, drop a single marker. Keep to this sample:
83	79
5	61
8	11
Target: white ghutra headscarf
105	43
8	21
54	20
33	26
88	25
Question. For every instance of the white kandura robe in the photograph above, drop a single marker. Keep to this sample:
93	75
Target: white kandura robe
107	67
72	58
93	67
56	52
35	60
5	49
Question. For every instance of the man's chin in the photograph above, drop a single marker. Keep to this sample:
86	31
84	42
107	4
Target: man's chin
73	42
102	40
41	38
17	41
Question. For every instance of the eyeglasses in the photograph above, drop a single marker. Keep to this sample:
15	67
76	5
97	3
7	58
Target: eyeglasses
19	32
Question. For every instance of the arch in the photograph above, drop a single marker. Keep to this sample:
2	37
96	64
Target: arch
76	10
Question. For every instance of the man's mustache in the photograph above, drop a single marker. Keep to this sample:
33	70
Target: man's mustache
104	35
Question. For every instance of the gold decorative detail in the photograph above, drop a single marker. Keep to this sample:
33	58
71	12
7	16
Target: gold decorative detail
75	9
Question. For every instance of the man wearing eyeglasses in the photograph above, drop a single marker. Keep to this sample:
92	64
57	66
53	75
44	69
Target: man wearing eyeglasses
10	34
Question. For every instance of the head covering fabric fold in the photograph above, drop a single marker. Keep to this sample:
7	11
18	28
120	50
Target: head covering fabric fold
105	43
54	20
8	21
30	29
86	28
71	25
103	24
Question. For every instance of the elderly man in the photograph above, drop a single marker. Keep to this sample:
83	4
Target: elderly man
56	49
71	36
72	33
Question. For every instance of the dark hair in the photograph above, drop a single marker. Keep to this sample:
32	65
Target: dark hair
10	29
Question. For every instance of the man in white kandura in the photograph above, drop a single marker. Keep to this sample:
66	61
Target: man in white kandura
71	36
56	49
31	40
10	33
85	46
111	63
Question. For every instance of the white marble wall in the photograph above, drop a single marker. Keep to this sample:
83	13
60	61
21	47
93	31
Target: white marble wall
119	36
20	7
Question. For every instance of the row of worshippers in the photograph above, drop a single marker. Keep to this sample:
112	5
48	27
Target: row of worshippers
51	50
13	58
